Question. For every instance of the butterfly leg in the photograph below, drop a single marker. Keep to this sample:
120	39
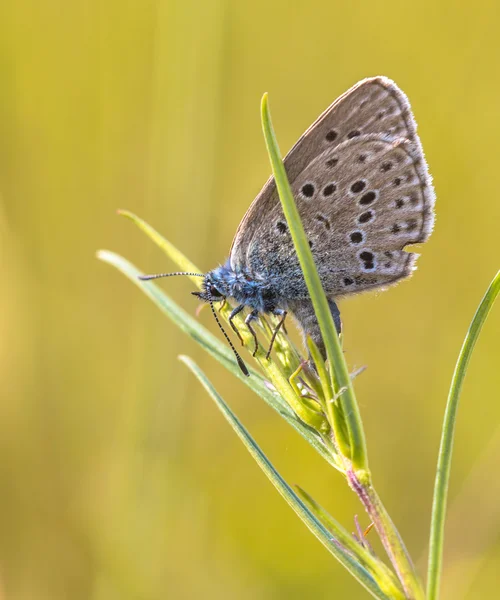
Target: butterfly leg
222	305
252	317
280	313
234	312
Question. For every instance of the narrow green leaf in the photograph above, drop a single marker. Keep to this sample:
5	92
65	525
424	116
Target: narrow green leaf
341	433
325	380
340	372
313	524
218	349
316	420
447	437
170	250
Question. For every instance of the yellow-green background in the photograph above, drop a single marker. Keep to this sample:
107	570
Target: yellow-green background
118	477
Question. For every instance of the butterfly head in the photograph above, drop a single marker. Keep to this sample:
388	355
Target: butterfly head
226	282
214	287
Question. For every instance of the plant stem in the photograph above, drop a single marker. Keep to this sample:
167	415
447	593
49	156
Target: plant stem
361	483
446	447
355	456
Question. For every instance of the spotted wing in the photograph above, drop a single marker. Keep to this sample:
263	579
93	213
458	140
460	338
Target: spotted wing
363	191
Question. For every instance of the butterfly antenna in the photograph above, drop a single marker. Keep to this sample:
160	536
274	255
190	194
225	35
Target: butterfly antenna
158	275
239	360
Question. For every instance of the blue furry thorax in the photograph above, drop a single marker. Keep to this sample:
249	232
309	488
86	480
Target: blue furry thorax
240	285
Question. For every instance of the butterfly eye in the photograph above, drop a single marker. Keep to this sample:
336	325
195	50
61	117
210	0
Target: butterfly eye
214	292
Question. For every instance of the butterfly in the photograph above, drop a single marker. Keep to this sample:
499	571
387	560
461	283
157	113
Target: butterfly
363	191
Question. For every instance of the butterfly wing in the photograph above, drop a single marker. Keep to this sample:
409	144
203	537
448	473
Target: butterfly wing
363	192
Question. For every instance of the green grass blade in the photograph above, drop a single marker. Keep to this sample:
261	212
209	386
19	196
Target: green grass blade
307	517
447	437
341	433
217	348
316	420
169	249
333	348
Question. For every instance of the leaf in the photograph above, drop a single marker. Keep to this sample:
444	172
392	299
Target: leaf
308	518
218	350
447	437
315	419
170	250
340	373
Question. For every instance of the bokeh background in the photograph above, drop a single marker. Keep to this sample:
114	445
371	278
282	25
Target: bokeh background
119	479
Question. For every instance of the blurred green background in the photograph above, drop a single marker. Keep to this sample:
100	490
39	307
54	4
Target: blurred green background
119	479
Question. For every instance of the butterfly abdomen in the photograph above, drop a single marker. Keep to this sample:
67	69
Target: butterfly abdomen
303	312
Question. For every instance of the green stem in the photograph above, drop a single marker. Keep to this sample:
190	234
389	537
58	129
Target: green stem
355	454
389	536
382	574
447	437
340	372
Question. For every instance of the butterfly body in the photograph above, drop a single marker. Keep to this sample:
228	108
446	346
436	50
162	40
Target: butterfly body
265	295
238	284
363	192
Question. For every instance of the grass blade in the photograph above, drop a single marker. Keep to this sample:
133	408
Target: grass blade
217	349
447	438
314	419
307	517
335	355
169	249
